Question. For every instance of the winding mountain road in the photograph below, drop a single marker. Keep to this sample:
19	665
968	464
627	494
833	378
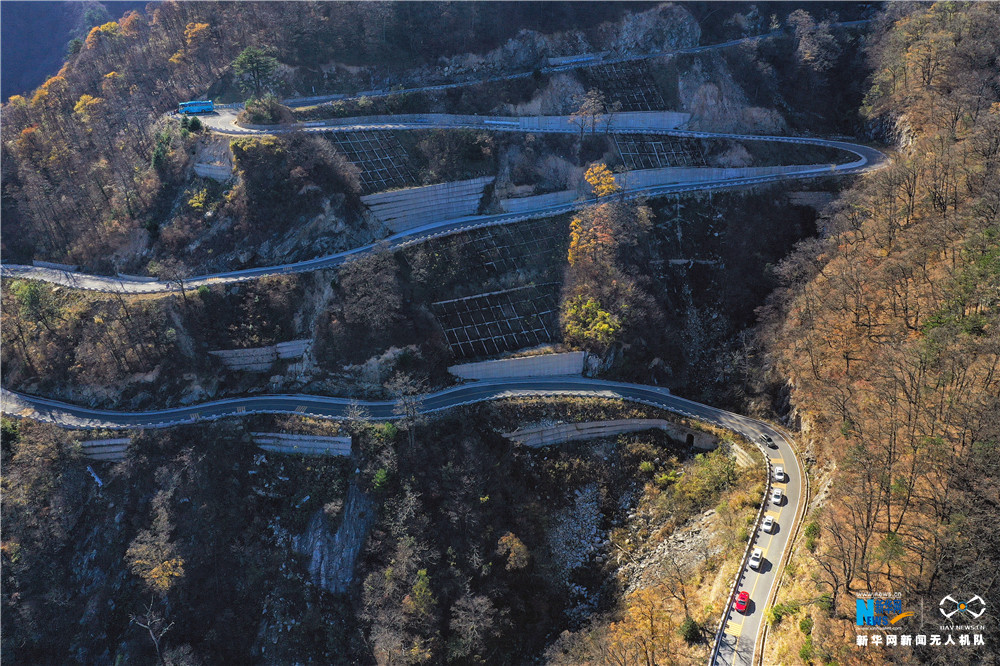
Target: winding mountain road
867	159
597	59
740	630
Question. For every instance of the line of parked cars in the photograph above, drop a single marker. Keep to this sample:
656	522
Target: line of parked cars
742	601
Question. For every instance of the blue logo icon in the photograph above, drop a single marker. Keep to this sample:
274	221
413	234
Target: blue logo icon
879	612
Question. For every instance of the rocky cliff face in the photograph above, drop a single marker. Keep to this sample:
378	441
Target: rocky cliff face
332	554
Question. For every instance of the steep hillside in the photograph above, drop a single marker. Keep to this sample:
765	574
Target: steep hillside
887	335
100	115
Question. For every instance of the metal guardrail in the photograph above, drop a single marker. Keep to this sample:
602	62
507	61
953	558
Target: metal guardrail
741	572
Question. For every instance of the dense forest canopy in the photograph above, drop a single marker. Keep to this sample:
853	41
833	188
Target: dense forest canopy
887	330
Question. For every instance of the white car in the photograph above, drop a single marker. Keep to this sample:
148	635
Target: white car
755	558
776	495
779	473
768	524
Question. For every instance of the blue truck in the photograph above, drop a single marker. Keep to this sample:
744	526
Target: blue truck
197	106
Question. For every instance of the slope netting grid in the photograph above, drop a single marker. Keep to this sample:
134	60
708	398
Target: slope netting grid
629	83
510	247
382	159
500	321
645	152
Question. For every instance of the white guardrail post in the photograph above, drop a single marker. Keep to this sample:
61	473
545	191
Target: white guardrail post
720	631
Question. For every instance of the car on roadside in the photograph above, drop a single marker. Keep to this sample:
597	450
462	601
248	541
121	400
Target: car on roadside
765	439
768	524
755	558
779	473
742	601
776	496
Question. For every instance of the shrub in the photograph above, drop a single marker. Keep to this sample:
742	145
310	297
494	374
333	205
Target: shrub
691	630
646	467
266	110
806	651
160	151
806	625
381	479
586	324
777	612
386	432
812	533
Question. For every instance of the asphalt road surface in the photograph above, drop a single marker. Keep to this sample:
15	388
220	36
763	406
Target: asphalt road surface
741	629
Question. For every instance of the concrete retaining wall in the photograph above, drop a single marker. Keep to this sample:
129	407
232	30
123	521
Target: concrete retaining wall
567	432
136	278
292	348
214	171
106	450
650	177
315	445
522	204
743	458
416	206
59	267
260	359
543	365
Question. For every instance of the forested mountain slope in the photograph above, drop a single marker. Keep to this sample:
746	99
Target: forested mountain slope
887	334
88	168
38	35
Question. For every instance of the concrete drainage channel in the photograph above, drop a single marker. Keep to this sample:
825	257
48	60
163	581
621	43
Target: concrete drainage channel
741	571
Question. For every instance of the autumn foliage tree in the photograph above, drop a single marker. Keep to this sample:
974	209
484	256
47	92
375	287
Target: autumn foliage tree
152	555
601	180
602	296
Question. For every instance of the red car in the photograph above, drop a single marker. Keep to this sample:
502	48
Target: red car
742	599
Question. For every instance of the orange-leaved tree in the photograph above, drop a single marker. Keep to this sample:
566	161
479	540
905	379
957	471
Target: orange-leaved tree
601	179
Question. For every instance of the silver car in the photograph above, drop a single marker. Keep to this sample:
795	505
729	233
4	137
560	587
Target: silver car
755	558
768	524
776	496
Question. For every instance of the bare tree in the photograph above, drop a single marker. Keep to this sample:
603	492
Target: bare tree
408	392
673	580
154	623
173	270
590	111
